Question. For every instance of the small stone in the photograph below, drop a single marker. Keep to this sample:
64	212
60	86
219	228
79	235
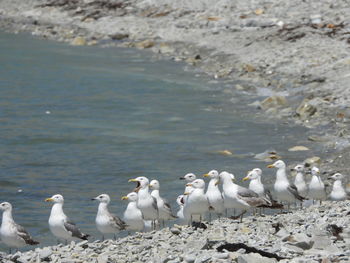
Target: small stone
249	68
190	258
45	253
224	152
254	257
79	41
145	44
175	230
221	255
259	11
273	102
312	160
119	36
306	109
298	148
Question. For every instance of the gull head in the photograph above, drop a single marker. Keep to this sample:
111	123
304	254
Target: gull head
226	176
198	184
253	174
315	171
278	164
212	174
56	199
132	197
190	177
180	200
154	184
337	176
141	181
103	198
298	168
5	206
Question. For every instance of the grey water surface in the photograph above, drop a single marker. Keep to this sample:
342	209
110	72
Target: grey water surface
81	121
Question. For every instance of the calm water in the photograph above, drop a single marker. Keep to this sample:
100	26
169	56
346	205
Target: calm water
81	121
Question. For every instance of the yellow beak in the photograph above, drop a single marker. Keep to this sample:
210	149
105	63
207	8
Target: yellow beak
205	175
48	199
189	185
187	193
270	166
245	178
125	198
132	180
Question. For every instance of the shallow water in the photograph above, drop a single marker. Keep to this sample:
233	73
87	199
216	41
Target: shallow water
81	121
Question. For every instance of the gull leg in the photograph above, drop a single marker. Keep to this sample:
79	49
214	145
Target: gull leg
103	238
209	217
226	212
115	237
288	206
10	251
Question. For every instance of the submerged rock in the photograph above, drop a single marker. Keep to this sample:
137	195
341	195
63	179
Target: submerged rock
79	41
273	102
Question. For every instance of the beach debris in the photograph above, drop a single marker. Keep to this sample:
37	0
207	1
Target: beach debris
298	148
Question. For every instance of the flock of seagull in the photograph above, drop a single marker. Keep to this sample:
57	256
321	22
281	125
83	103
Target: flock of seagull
147	209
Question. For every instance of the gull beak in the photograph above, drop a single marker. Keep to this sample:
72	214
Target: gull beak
182	178
217	182
205	175
92	199
233	179
189	185
49	200
132	180
150	186
187	193
270	166
245	178
125	198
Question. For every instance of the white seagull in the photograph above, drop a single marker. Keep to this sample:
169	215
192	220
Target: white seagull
214	195
197	202
284	190
299	180
338	192
180	212
236	196
132	214
60	225
317	190
164	208
255	183
145	201
12	234
106	222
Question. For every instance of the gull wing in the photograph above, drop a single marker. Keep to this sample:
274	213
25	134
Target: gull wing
294	190
117	222
74	230
25	235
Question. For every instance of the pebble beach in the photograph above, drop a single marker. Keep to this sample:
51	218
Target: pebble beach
293	57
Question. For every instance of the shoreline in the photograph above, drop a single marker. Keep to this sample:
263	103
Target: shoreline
307	235
298	61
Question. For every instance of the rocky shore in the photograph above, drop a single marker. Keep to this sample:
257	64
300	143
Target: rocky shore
314	234
291	56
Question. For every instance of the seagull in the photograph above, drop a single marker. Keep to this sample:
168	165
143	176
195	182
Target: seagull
338	192
164	208
317	190
132	214
12	234
189	177
106	222
285	191
180	213
145	201
59	223
299	181
255	183
213	193
236	196
196	203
